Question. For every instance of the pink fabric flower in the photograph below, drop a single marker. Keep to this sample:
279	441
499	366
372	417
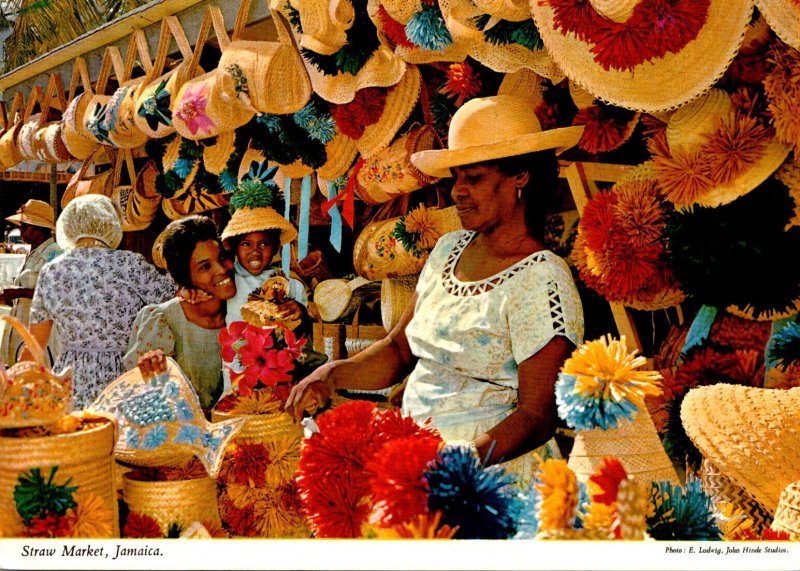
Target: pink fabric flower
192	109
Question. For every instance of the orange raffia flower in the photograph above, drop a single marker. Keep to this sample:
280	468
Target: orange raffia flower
66	424
462	82
600	516
249	464
606	366
284	453
681	175
141	526
92	517
258	401
214	529
736	144
559	489
270	519
638	212
423	526
782	86
418	222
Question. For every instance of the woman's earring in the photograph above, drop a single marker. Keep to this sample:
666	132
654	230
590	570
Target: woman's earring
519	193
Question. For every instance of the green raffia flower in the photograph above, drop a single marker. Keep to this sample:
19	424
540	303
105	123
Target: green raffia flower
36	498
254	193
155	109
505	32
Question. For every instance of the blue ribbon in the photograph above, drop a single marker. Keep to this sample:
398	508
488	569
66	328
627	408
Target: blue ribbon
305	213
336	220
700	329
286	252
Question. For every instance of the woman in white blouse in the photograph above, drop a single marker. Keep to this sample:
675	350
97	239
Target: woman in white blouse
495	314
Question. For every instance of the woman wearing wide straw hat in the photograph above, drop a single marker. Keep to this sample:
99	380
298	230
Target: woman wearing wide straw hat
92	293
494	314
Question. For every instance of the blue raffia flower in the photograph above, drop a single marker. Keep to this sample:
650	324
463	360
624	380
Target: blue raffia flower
183	167
132	437
155	437
785	345
184	410
319	125
582	413
171	390
187	434
427	29
528	520
483	502
681	513
583	505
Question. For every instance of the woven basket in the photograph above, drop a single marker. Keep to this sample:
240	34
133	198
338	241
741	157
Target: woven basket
261	427
181	502
85	456
635	443
396	294
723	490
338	299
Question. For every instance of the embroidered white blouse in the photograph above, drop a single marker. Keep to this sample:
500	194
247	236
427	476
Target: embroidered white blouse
470	337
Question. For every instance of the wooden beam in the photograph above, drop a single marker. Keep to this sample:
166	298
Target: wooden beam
39	176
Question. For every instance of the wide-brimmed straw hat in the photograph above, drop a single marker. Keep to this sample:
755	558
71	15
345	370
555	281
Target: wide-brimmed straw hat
692	162
35	213
262	219
749	434
787	514
488	128
661	66
783	16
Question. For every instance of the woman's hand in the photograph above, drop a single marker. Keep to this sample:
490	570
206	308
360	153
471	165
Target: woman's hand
152	363
194	296
312	393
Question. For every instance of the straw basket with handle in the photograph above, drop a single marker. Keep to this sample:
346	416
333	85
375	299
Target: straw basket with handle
9	153
30	123
79	141
84	183
173	502
95	118
47	144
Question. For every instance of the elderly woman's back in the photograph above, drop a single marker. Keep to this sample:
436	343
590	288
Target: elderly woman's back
91	294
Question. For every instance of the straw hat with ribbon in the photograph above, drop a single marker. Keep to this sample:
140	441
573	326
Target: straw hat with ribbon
601	392
487	128
253	211
713	151
783	16
640	55
34	213
352	58
749	434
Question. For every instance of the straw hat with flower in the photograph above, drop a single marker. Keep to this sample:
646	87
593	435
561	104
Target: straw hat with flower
646	56
253	211
749	434
606	127
714	150
487	128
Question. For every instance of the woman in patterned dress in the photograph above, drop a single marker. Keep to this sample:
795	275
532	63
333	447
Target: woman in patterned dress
494	314
91	295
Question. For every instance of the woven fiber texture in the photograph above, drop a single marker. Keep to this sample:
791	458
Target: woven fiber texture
722	490
180	502
787	515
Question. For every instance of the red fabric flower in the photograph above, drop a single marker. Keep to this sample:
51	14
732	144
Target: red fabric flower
50	525
249	462
228	337
141	526
607	478
396	479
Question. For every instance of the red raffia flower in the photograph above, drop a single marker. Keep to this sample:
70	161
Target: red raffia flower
229	337
737	144
394	30
141	526
240	521
335	505
51	525
396	479
364	110
628	268
346	121
638	212
215	530
462	83
290	498
249	461
607	478
229	401
598	219
391	424
654	29
605	129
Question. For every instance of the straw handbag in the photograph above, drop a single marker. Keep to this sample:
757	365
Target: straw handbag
273	72
338	299
193	200
79	142
47	144
154	99
202	109
723	490
30	124
341	340
262	427
9	153
383	251
84	183
95	120
173	502
396	294
389	173
123	195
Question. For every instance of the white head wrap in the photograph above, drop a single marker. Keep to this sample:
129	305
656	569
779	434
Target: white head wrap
89	216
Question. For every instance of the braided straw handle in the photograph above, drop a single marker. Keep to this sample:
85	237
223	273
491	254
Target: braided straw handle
170	29
30	341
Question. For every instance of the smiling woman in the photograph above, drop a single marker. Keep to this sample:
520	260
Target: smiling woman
188	332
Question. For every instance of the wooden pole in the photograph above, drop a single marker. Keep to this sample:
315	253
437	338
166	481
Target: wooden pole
54	188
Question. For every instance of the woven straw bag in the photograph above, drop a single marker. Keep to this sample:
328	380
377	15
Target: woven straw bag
202	109
9	153
262	427
787	514
396	294
635	443
121	111
31	122
154	98
379	253
47	144
79	142
276	79
193	200
180	502
389	173
338	299
84	456
123	196
95	118
723	490
83	183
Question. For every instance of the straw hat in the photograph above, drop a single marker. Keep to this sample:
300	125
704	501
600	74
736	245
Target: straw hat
750	434
325	24
341	151
787	514
246	220
216	155
35	213
658	72
783	16
79	144
487	128
338	299
606	128
396	293
688	168
525	83
157	252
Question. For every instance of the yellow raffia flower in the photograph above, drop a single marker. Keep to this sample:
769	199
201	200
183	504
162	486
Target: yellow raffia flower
424	526
93	517
606	367
600	516
258	402
284	454
270	519
559	488
66	424
240	495
733	522
419	222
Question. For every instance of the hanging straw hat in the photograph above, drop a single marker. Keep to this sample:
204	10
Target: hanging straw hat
487	128
252	201
750	434
78	143
783	16
35	213
660	67
389	173
216	155
605	127
396	293
338	299
787	514
341	152
691	170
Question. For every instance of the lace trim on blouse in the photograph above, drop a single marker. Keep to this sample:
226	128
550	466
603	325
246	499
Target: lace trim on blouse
456	287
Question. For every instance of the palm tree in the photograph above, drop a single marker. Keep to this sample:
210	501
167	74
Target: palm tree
33	24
